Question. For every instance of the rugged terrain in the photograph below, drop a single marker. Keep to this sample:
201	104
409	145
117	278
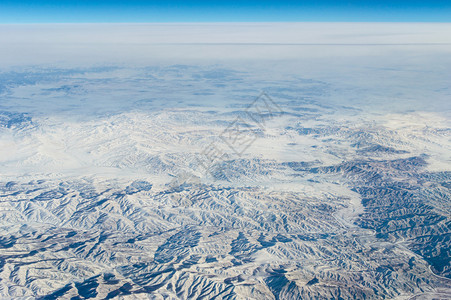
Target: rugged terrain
173	181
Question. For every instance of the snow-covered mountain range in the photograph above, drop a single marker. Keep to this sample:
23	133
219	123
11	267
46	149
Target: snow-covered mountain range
319	173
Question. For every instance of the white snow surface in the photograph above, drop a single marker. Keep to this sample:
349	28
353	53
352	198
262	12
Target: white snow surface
102	127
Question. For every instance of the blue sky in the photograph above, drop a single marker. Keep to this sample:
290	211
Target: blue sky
51	11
